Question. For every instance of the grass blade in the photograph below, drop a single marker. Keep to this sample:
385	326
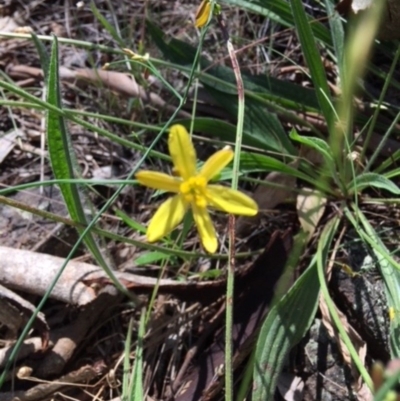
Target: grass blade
279	11
337	33
43	55
365	180
313	59
106	25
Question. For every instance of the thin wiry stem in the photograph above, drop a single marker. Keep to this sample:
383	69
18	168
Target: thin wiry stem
235	179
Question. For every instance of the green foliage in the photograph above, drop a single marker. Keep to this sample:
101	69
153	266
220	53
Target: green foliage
279	11
132	385
61	154
318	144
365	180
64	165
272	108
286	324
313	59
262	129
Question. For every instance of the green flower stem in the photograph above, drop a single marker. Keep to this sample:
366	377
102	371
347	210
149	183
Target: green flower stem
232	256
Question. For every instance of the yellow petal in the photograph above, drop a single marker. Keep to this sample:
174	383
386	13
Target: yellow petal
205	228
216	162
203	13
157	180
231	201
182	151
166	218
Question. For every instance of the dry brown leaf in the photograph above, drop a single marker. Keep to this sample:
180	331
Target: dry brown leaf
7	24
251	299
278	189
310	208
7	143
364	393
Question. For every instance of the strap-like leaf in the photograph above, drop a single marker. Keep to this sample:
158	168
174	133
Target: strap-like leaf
61	155
285	325
313	58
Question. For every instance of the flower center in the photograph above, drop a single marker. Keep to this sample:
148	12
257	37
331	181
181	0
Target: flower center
193	190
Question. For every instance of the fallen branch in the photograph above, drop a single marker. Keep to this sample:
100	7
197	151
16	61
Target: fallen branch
68	338
33	273
81	283
15	312
29	347
45	390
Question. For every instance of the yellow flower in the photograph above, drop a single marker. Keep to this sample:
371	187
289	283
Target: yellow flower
192	190
203	13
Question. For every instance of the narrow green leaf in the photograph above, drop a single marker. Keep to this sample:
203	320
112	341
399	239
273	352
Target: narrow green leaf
279	11
43	55
391	173
318	144
313	59
337	33
62	156
250	161
222	78
391	161
137	393
258	87
151	257
140	228
262	129
60	149
374	180
127	362
276	10
106	25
